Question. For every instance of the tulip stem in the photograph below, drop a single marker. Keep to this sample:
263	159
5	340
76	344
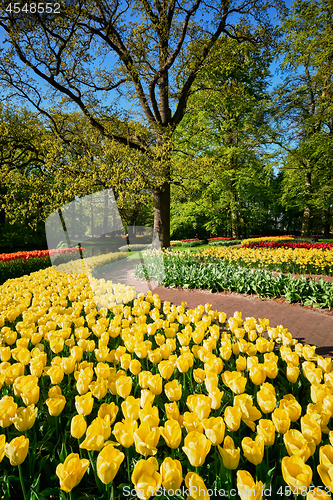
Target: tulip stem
128	465
22	483
98	481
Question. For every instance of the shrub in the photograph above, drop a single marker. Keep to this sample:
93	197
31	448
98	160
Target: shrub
134	248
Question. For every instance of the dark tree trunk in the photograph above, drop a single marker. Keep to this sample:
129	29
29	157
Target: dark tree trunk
162	214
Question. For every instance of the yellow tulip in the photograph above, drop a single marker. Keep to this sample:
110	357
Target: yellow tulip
155	384
99	388
254	449
131	407
326	475
247	487
266	429
146	439
146	478
292	373
196	486
71	471
211	382
200	405
143	379
146	397
84	404
257	374
294	409
17	450
173	390
78	426
191	422
230	455
108	463
124	432
320	414
216	395
68	365
233	417
172	434
166	369
135	367
56	405
266	400
172	411
196	447
25	418
172	474
296	473
326	455
241	363
96	435
7	410
150	414
281	420
108	411
214	429
199	375
311	429
235	381
124	386
249	412
297	445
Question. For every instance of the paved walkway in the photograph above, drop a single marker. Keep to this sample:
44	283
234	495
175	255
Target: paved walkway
308	325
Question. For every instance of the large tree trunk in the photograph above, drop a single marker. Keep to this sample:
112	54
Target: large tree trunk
162	214
307	209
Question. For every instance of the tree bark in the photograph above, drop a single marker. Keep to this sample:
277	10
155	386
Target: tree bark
162	214
307	209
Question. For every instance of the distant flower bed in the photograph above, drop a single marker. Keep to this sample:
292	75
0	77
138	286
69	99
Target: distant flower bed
249	241
274	244
5	257
220	238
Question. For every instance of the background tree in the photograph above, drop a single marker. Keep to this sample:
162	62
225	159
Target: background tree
303	112
153	53
222	128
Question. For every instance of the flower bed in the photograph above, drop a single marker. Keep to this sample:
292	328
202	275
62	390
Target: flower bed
149	395
6	257
285	260
249	241
220	238
275	244
188	270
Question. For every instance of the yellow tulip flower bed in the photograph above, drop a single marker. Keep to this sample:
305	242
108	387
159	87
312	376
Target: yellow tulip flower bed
265	239
90	263
288	260
144	398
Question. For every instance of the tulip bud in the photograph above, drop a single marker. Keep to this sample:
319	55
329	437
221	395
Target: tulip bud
78	426
108	463
17	450
71	471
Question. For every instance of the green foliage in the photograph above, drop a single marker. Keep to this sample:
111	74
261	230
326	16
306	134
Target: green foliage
222	243
189	271
19	267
